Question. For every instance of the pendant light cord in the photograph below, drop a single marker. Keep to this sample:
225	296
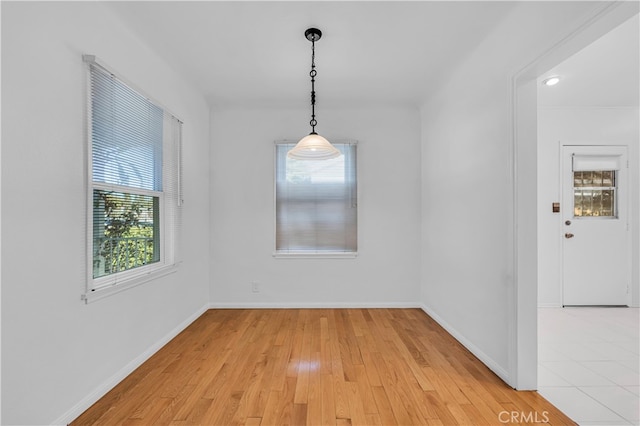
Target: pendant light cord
313	74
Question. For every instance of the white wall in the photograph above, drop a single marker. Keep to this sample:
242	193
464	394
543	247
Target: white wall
386	271
465	237
578	126
57	352
468	268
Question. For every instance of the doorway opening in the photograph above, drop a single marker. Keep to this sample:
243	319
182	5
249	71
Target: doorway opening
526	296
588	191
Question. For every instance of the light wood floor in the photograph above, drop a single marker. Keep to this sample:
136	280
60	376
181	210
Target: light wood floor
316	366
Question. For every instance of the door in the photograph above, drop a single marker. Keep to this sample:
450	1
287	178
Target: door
595	230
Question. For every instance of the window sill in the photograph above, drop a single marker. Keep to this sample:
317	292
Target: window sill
129	282
328	255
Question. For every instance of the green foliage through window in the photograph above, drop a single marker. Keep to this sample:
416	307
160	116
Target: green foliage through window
125	231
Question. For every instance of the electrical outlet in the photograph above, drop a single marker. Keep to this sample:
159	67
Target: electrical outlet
255	286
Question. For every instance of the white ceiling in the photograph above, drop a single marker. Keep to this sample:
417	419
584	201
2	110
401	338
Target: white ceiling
256	52
604	74
384	52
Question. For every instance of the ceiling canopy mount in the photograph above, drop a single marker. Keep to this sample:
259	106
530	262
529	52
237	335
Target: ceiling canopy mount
313	34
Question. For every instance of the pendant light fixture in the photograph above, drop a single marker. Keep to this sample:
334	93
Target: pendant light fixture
313	146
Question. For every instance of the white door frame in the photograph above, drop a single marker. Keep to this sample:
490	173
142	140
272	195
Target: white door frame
523	294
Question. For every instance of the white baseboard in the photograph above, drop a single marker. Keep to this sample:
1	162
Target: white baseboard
110	383
311	305
484	358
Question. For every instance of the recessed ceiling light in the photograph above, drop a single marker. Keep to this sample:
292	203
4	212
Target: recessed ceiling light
551	81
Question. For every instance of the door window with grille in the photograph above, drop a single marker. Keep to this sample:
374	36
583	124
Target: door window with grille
594	193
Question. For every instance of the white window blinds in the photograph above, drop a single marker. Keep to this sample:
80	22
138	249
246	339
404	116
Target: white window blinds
316	202
126	132
596	162
135	177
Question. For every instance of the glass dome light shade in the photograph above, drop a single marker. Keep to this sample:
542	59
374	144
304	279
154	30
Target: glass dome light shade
313	147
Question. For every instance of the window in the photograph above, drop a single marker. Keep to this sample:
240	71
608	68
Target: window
134	201
594	193
595	184
316	203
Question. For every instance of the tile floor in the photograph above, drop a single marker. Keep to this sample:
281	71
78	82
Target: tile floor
589	363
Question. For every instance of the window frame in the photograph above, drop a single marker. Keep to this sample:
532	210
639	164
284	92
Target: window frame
319	254
613	188
98	288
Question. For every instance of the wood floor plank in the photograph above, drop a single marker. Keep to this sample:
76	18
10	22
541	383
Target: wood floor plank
328	413
255	396
271	411
370	368
366	394
337	367
300	416
384	407
393	392
443	414
340	397
314	397
224	412
325	347
356	408
153	411
486	406
304	364
168	414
